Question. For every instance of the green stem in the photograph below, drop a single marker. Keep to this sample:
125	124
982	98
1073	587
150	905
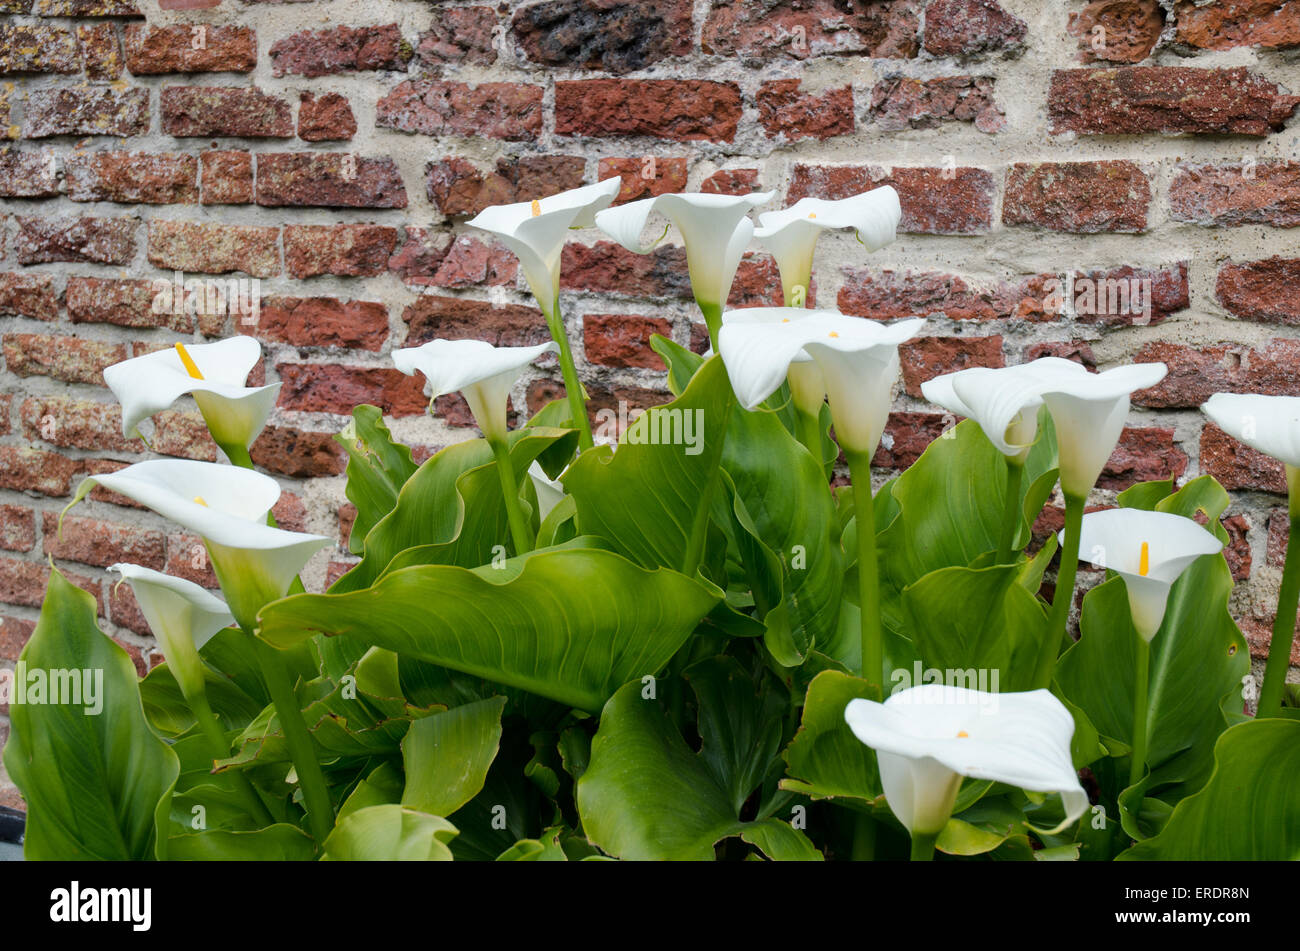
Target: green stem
219	747
572	386
1011	511
810	434
864	838
700	526
1140	690
873	644
712	319
519	528
1279	648
315	793
1059	617
923	847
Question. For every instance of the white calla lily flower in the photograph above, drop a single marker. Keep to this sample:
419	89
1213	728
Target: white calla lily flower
550	492
927	738
213	373
227	507
482	373
536	231
807	387
183	617
1150	551
1267	424
791	234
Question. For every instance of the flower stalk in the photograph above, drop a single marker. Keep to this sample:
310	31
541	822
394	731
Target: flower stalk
520	531
1011	510
1288	599
1141	701
872	636
923	846
1059	616
573	391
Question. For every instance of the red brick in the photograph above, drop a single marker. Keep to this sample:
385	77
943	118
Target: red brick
1137	100
333	179
890	294
43	239
291	512
341	49
243	111
226	177
1263	193
28	174
347	519
1143	455
297	454
607	267
971	27
14	634
927	357
934	200
803	28
1279	533
17	528
1270	24
458	187
214	249
127	303
87	110
731	181
89	8
644	177
37	49
76	424
124	611
1077	197
1195	374
28	295
154	50
1117	31
188	558
1258	628
421	254
1122	296
24	583
431	316
611	35
469	262
325	118
63	358
681	110
784	112
901	103
156	178
329	388
1261	290
100	50
184	435
459	35
906	436
603	405
1236	465
23	469
94	542
510	111
1237	551
336	569
352	250
323	322
623	340
758	284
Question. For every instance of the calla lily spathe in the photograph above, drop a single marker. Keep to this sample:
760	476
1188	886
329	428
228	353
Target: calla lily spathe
1150	551
481	372
927	738
213	373
791	234
550	492
536	231
1269	424
183	617
227	507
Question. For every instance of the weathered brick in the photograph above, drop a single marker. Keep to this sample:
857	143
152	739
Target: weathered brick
460	36
468	262
611	35
644	177
603	405
933	200
214	249
333	179
24	469
1128	296
1279	534
1077	197
183	434
1236	465
900	103
69	359
323	322
804	28
360	250
784	111
28	174
88	8
970	28
226	177
28	295
325	118
1270	24
510	111
24	583
430	316
94	542
623	340
1143	454
41	239
889	295
417	261
100	51
906	436
731	181
758	283
187	558
681	110
341	49
1261	290
17	528
1237	552
76	424
607	267
127	303
458	187
1117	31
156	178
189	48
330	388
14	634
38	49
927	357
1139	100
1196	373
1077	350
298	454
86	110
1263	193
243	111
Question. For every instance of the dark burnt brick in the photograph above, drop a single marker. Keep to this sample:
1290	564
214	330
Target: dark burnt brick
1236	465
1261	290
510	111
607	267
458	35
1077	197
644	177
94	542
1263	193
156	178
1107	298
341	49
1269	24
38	49
323	322
243	111
458	187
1143	454
888	295
623	340
1139	100
901	102
100	50
156	50
971	28
924	358
612	35
1126	30
1197	373
934	200
330	388
86	110
28	295
806	28
127	303
328	179
325	118
42	239
345	250
680	110
784	111
214	249
17	528
468	262
226	177
28	174
431	316
731	181
906	436
298	454
76	424
69	359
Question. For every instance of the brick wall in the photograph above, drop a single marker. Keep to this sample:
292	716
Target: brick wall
333	149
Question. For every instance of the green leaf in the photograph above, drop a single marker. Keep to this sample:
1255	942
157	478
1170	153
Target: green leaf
378	467
781	841
97	785
277	843
1249	810
569	624
447	756
169	712
390	833
825	759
